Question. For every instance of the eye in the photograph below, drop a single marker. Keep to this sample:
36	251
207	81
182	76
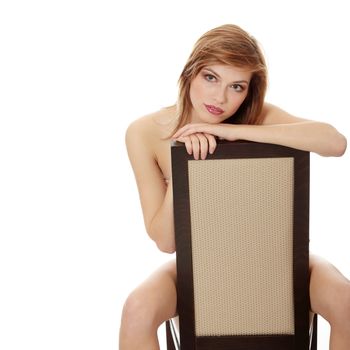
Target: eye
238	87
209	77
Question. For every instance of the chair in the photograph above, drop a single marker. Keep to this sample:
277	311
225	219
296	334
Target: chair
242	242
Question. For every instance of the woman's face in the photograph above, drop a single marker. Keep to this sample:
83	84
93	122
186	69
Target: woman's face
217	92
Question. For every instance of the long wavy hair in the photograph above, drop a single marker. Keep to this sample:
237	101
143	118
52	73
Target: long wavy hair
229	45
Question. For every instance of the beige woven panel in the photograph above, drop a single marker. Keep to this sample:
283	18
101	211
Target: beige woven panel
241	216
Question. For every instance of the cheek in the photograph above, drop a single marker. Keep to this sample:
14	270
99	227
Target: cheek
236	101
196	93
199	88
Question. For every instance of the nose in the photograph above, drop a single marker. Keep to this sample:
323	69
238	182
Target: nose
220	95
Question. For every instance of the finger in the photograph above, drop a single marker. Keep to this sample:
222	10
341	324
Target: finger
203	141
188	144
180	132
190	129
212	142
195	146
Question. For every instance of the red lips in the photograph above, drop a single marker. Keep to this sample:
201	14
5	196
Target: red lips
214	110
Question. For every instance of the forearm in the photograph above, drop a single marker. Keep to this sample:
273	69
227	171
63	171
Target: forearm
309	136
161	228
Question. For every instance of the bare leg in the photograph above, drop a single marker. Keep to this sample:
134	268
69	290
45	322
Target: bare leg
330	298
146	308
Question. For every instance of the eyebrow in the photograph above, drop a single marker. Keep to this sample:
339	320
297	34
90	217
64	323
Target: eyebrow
218	75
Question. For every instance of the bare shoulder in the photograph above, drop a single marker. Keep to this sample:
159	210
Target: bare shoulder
276	115
152	127
148	143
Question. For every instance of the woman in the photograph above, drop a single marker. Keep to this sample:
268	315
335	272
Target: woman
221	95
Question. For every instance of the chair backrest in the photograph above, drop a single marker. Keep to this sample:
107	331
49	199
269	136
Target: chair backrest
242	242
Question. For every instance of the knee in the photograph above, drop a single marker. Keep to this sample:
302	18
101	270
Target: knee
137	315
341	309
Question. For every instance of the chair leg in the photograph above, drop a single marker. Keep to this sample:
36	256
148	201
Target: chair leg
314	334
169	337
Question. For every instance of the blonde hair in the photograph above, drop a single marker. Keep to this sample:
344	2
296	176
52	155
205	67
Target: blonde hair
230	45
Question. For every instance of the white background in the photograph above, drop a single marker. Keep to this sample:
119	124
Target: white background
73	75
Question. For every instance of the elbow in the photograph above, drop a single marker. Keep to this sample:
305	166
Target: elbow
168	248
343	146
336	143
163	236
339	146
165	243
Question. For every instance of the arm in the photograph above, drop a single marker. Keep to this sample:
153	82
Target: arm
278	127
155	196
307	135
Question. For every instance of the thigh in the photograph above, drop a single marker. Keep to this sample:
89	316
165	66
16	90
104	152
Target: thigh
158	292
326	286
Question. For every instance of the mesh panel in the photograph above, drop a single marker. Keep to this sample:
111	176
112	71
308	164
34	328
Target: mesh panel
242	245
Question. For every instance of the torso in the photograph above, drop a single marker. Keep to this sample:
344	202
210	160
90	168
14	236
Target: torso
161	125
164	121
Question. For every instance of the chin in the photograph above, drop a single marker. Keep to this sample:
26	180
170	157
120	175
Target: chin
211	119
204	117
216	120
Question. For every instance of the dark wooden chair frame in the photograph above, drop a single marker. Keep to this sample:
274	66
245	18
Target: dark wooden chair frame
305	337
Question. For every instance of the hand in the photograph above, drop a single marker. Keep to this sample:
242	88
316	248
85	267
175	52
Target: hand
198	144
200	138
222	131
